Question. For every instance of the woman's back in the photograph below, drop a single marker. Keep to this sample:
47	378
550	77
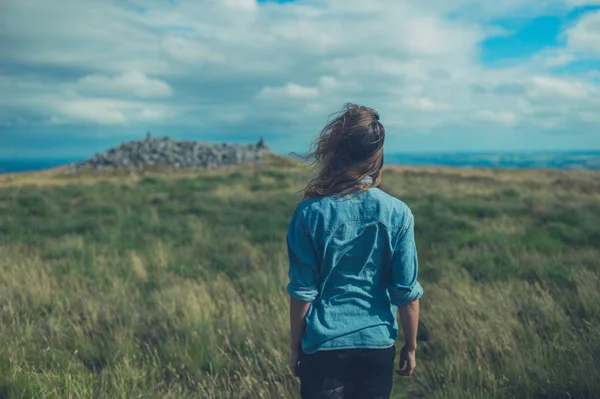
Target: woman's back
344	250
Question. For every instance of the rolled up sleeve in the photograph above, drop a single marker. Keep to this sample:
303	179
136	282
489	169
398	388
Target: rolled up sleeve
303	263
404	287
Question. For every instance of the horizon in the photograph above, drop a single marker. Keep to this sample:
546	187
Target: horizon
424	153
562	159
446	77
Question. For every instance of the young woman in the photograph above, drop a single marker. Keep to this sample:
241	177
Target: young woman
353	263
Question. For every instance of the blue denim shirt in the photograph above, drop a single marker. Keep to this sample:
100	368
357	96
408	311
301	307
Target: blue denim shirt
355	259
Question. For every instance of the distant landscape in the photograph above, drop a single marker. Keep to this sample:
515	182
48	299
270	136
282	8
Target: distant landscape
29	165
583	160
172	284
547	160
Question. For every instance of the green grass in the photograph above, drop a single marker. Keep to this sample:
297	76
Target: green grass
173	285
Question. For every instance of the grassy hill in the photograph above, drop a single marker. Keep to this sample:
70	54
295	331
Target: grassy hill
172	285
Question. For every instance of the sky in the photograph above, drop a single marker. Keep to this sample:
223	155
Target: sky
79	76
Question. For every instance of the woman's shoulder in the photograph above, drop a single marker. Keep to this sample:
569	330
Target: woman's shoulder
397	213
310	205
390	200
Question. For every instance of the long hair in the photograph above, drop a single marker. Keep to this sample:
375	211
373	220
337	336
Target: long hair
348	150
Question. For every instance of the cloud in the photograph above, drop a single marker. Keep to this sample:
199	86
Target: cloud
583	3
92	37
246	5
188	51
96	111
326	85
504	118
240	67
560	59
290	90
126	99
135	83
153	114
552	86
103	111
585	35
424	104
510	88
330	83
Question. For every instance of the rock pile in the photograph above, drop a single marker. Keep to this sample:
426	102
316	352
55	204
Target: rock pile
167	152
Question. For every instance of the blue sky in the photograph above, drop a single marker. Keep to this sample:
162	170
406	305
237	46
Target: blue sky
445	75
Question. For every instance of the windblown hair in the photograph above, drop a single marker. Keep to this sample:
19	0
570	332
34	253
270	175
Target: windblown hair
348	150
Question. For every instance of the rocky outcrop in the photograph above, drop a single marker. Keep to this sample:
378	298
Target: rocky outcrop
172	153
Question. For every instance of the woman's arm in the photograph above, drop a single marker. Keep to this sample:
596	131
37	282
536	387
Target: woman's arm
409	317
304	278
298	312
405	292
404	287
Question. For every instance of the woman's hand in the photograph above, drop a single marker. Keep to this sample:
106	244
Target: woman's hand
294	360
298	312
409	315
407	362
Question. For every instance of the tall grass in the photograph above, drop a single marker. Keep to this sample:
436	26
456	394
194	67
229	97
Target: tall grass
173	285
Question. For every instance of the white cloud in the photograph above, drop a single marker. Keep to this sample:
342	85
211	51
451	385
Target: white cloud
95	111
546	85
92	36
61	104
590	117
188	51
502	117
241	4
582	3
424	104
153	114
260	66
585	35
135	83
103	111
327	85
289	90
560	59
315	107
431	36
330	83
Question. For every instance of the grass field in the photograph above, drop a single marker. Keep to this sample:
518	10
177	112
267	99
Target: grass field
172	285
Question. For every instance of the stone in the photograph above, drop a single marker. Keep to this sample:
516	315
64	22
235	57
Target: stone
167	152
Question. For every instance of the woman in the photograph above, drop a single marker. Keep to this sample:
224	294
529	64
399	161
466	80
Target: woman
353	263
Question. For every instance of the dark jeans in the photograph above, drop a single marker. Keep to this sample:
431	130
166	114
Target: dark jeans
347	373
